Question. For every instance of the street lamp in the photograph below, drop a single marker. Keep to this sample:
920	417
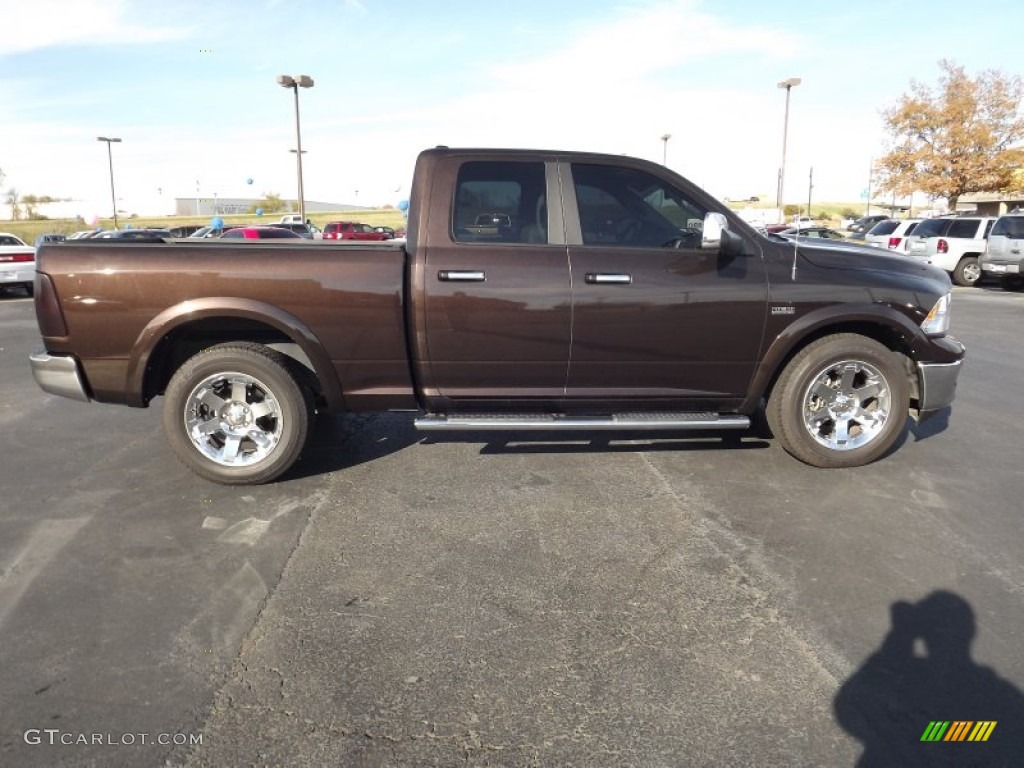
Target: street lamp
664	147
788	85
303	81
110	160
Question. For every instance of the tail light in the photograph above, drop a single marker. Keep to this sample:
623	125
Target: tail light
894	242
9	258
942	246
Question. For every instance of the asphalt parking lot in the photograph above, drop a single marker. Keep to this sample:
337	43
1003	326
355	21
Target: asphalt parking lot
490	600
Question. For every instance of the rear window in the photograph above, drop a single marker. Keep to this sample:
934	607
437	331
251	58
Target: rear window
501	201
963	228
932	227
886	227
1009	226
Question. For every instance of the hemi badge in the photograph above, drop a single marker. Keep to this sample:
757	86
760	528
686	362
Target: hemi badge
788	310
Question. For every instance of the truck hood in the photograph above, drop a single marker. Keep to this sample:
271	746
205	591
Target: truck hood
866	257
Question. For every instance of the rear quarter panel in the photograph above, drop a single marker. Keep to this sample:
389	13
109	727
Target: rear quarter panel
343	305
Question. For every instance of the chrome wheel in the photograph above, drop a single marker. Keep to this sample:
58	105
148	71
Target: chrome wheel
972	271
233	419
846	405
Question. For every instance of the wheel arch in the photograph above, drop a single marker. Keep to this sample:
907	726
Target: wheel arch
892	330
182	330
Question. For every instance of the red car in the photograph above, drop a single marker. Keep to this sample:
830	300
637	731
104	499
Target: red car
259	233
352	230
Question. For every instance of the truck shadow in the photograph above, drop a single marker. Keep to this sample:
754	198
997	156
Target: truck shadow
554	442
340	441
921	700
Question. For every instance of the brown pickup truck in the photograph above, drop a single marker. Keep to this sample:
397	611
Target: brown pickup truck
611	294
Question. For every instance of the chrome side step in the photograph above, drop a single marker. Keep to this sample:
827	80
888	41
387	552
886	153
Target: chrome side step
541	422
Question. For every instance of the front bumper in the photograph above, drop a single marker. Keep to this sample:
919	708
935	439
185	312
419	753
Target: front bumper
59	375
937	383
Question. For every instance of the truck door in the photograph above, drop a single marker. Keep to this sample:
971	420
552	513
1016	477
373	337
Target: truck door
495	286
656	317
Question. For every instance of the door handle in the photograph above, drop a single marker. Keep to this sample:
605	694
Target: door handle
610	278
461	275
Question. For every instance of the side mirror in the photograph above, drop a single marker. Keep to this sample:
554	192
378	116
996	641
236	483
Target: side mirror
714	226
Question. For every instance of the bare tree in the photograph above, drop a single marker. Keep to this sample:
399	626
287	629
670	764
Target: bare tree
962	137
14	201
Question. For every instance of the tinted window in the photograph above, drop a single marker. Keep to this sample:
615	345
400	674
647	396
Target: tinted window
963	228
886	227
623	206
911	228
932	227
500	201
232	233
6	240
1010	226
276	234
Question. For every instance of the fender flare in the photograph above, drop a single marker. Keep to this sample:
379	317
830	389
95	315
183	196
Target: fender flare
208	307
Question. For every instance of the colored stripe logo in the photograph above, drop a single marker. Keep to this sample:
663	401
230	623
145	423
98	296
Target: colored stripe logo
958	730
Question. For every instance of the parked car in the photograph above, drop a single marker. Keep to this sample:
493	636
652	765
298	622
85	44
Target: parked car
821	233
308	231
351	230
1004	254
840	342
864	223
49	238
142	233
260	233
891	234
17	263
952	243
185	230
387	231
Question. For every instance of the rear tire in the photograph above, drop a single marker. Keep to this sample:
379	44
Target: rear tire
841	402
235	414
967	272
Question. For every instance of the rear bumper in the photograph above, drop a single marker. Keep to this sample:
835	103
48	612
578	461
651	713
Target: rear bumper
59	375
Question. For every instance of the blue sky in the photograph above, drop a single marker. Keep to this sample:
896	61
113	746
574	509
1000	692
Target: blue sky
190	88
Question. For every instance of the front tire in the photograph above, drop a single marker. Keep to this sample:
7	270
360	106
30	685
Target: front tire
235	414
841	402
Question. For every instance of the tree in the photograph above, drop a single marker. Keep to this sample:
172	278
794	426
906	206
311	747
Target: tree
963	137
271	203
14	200
32	202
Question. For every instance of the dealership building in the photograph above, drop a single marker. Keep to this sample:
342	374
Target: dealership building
222	206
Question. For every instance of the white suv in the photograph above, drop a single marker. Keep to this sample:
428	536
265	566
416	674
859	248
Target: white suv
891	234
1004	256
952	243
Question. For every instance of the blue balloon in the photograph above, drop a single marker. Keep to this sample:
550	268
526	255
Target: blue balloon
217	222
248	181
259	211
403	205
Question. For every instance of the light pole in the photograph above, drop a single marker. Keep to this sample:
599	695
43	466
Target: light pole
788	85
664	147
110	160
303	81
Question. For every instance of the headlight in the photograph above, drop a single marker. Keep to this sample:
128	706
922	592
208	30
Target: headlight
937	322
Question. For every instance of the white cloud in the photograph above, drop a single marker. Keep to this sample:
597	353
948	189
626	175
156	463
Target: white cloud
40	24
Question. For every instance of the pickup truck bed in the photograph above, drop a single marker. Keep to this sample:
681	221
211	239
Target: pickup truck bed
601	292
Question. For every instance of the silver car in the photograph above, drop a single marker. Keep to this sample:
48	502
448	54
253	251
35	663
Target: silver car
891	234
1004	254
